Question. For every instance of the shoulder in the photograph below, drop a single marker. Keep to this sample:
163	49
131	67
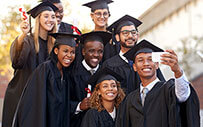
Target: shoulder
66	24
92	111
170	83
114	61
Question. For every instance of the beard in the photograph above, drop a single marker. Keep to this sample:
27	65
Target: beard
124	44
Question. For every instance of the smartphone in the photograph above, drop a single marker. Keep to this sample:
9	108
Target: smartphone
156	56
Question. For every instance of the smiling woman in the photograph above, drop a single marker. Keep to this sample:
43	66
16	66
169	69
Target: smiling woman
27	52
105	99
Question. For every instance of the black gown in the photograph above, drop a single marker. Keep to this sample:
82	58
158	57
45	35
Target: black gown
65	27
93	118
79	77
111	50
131	78
45	100
24	63
160	109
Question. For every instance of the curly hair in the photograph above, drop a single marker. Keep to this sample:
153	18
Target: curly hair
96	101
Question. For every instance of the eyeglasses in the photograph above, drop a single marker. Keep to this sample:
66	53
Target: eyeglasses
99	14
127	32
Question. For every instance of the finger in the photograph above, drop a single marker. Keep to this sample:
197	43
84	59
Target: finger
171	51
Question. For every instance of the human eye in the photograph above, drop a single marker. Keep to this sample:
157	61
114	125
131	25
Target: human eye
114	85
100	51
98	14
105	86
134	32
72	52
91	51
125	32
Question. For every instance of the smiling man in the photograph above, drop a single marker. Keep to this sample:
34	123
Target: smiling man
93	47
156	103
126	33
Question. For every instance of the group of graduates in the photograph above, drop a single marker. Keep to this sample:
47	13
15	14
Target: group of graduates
103	78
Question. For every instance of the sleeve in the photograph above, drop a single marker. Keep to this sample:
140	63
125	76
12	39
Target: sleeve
184	114
90	119
32	106
182	89
190	110
19	58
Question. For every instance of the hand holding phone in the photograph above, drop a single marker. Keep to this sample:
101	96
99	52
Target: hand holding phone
156	56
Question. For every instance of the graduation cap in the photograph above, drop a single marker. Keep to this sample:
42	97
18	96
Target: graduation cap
98	4
143	47
34	12
101	36
52	1
104	74
123	21
64	39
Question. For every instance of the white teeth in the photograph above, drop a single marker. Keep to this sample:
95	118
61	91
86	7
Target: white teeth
146	69
110	94
94	60
67	61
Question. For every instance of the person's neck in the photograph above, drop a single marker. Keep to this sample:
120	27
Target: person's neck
147	80
43	34
99	28
124	50
109	106
59	66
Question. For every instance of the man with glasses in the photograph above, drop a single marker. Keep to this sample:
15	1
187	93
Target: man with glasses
126	33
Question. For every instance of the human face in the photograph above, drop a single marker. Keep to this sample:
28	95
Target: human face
47	20
59	13
93	53
65	55
144	66
108	90
100	17
129	40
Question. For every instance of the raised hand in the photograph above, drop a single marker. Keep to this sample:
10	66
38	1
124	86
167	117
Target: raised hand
171	59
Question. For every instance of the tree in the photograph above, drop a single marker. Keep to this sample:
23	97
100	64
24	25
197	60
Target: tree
188	53
9	31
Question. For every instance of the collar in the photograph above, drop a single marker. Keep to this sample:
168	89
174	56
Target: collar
113	114
58	26
123	57
150	85
88	67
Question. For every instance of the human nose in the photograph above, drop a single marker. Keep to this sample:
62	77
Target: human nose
146	62
96	54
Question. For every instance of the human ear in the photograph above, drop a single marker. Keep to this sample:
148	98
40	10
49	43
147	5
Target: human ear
83	52
56	50
92	16
117	37
157	65
134	67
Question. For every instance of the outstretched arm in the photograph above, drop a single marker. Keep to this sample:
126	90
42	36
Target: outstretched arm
182	89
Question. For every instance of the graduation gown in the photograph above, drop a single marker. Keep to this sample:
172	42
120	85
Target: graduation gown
131	78
65	27
24	62
111	50
161	108
93	118
80	76
45	100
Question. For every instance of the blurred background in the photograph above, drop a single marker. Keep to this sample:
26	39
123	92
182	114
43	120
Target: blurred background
170	24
